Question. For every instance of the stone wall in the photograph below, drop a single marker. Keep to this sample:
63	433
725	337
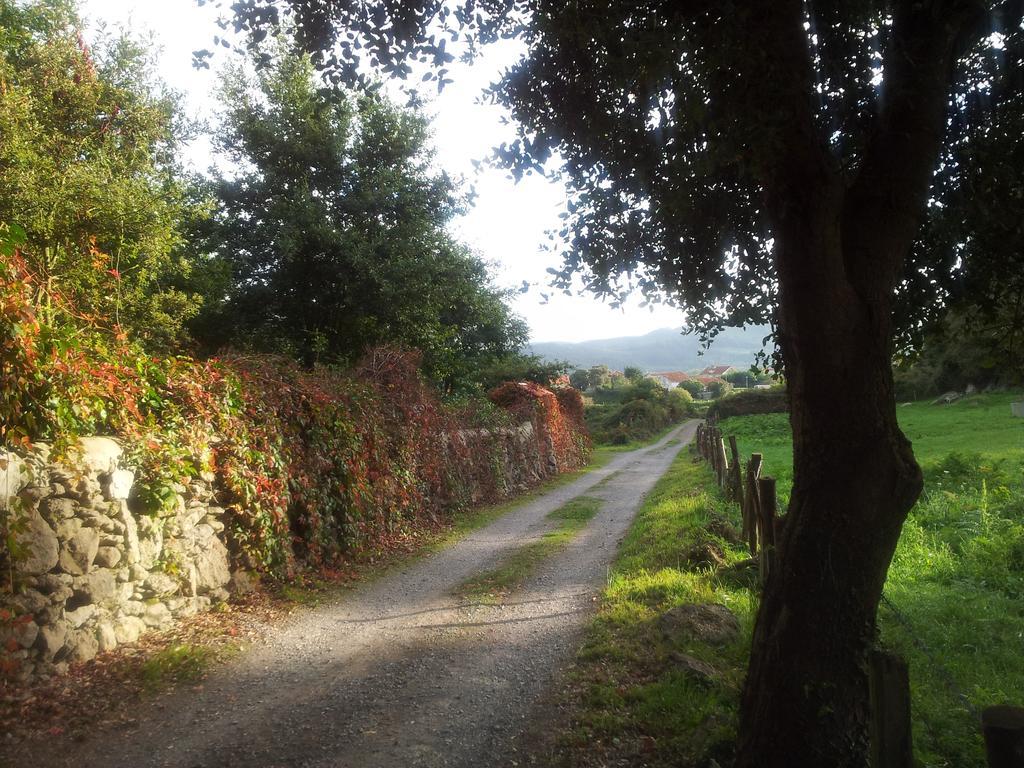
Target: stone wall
92	574
519	464
91	571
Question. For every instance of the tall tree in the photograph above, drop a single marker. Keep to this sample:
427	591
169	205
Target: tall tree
87	157
332	226
580	378
768	159
633	373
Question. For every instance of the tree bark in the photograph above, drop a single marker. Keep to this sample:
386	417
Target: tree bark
805	702
838	252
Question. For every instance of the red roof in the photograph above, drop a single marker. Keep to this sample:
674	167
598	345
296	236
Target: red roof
716	370
674	376
705	380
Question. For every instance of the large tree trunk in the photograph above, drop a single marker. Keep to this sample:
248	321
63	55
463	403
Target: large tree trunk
806	698
838	253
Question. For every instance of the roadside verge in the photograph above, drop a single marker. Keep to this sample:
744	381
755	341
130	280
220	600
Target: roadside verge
657	678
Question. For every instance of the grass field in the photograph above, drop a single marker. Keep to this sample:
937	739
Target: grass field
979	428
957	580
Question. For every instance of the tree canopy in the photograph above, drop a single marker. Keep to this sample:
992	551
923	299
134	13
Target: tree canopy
332	229
328	235
660	127
633	373
87	157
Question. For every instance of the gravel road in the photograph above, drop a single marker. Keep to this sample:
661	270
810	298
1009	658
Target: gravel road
399	672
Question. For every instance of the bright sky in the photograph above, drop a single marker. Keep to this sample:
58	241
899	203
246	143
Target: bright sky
507	225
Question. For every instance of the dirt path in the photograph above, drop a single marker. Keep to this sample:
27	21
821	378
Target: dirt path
399	672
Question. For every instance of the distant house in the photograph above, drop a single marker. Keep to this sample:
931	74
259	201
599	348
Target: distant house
706	382
718	371
669	379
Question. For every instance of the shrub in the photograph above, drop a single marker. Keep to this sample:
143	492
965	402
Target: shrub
644	409
315	463
681	394
719	388
561	431
692	387
750	401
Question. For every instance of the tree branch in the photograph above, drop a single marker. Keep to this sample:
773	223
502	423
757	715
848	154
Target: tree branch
891	186
777	97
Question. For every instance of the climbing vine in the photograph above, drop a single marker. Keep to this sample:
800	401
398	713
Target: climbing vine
311	465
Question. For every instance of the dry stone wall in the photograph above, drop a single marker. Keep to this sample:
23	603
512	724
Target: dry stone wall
92	574
519	465
90	570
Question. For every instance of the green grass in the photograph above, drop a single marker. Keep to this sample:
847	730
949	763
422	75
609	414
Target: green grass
472	520
978	426
958	573
627	698
309	592
184	663
493	585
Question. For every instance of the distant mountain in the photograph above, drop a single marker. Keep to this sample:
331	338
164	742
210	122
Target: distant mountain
665	349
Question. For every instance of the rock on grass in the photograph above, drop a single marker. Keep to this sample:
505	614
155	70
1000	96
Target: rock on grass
708	623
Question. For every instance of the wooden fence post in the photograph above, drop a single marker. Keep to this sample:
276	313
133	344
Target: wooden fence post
1003	727
766	499
735	475
889	684
752	505
723	462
